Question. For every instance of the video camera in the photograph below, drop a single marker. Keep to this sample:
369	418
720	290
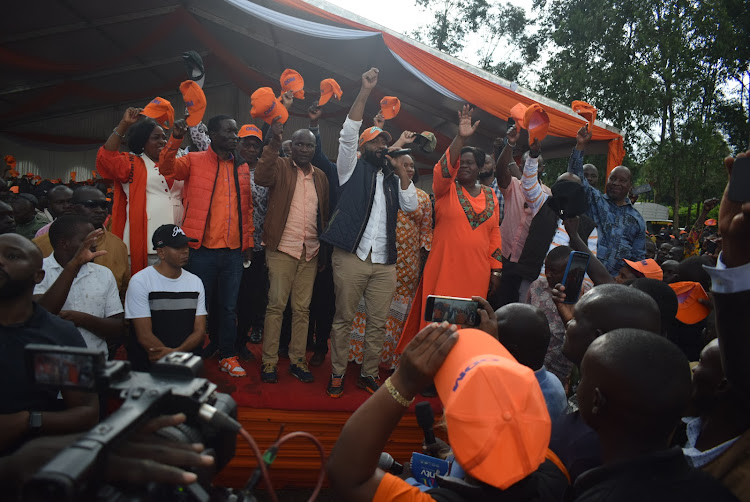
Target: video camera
170	387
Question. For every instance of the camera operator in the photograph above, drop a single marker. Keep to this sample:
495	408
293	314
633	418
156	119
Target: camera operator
26	411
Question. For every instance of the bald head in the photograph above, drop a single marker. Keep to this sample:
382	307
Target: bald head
616	400
591	174
58	200
20	267
566	176
524	331
303	147
619	183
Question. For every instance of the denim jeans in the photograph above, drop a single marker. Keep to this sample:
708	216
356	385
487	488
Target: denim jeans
222	266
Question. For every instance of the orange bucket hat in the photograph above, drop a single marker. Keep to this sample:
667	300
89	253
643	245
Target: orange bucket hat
536	121
586	111
498	423
390	106
649	268
250	130
267	106
329	88
689	310
161	111
195	102
371	133
291	80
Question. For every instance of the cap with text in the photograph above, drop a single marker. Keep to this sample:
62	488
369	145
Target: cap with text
170	236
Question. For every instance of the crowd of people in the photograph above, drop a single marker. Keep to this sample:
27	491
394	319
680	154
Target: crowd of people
253	236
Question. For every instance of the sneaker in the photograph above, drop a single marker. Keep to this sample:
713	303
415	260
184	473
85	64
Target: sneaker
368	383
256	335
301	372
335	386
317	359
232	366
268	374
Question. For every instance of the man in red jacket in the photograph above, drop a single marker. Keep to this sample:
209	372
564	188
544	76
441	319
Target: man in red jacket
219	214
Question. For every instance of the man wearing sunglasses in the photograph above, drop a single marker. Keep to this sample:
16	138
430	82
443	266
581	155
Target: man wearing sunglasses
90	203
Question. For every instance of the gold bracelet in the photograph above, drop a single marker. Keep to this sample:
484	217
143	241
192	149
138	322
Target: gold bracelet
395	394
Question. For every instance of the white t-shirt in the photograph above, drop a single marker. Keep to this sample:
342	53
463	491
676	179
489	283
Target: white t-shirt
148	280
94	291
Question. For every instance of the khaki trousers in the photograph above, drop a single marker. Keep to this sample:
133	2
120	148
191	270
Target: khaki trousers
354	279
288	275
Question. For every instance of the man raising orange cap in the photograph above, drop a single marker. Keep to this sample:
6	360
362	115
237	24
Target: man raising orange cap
329	88
267	106
293	81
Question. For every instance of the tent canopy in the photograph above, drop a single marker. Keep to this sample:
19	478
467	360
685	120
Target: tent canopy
68	61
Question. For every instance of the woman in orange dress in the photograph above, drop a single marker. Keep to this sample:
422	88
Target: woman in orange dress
465	256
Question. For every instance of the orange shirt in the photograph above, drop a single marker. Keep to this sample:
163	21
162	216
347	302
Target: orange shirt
223	225
301	230
394	489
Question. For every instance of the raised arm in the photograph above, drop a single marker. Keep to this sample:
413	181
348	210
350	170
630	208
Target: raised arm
692	244
445	170
502	171
596	269
348	140
169	164
269	163
532	189
110	162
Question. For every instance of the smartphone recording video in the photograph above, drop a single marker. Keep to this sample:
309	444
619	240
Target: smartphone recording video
575	271
454	310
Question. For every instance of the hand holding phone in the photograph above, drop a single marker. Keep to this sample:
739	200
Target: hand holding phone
575	271
461	311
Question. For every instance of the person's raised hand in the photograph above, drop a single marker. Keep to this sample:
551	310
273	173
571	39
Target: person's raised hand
572	224
277	129
465	128
423	357
370	78
378	120
514	133
398	167
179	129
314	113
87	250
583	137
287	99
734	224
407	137
564	309
487	317
131	116
709	204
535	148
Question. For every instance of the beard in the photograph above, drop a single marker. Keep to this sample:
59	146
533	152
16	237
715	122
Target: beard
376	158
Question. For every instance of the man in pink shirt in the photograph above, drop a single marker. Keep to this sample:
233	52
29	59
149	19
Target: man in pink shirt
297	214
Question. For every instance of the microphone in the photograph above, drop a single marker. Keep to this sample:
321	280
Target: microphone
425	419
388	464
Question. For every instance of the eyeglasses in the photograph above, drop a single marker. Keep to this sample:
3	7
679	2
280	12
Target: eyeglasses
93	204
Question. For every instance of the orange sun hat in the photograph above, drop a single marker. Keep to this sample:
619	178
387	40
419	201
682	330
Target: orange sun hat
536	121
649	268
690	310
389	107
291	80
586	111
497	419
265	105
329	88
195	102
250	130
161	111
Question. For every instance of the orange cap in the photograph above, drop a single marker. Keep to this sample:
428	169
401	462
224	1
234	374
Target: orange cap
649	268
517	112
689	310
329	88
14	189
536	121
371	133
390	106
73	175
498	423
710	222
293	81
161	111
250	130
29	175
586	111
195	102
267	106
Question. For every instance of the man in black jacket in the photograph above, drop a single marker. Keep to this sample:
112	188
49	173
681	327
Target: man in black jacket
362	231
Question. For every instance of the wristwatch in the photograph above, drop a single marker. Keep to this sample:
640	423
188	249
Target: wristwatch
35	422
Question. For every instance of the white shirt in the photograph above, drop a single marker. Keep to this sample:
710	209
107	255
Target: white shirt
375	237
149	280
562	238
163	204
94	291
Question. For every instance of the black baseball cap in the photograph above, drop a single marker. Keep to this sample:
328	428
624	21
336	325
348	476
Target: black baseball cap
171	236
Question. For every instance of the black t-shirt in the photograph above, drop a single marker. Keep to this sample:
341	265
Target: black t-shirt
657	477
576	444
17	392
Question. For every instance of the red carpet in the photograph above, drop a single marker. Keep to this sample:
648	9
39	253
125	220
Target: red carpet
290	393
